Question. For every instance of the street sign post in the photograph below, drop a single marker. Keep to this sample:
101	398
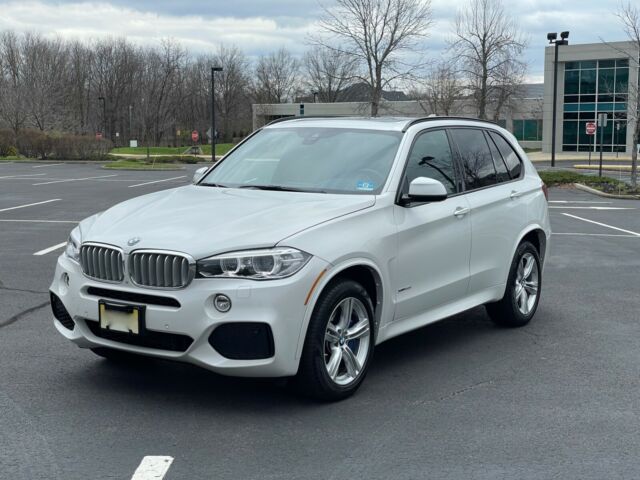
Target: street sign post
602	123
591	131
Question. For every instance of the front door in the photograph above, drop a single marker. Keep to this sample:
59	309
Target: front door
434	239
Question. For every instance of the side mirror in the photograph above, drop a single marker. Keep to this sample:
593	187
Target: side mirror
423	189
199	173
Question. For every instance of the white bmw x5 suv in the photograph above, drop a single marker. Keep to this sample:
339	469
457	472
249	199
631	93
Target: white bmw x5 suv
308	244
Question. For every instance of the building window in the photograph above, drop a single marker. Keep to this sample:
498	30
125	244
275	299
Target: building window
593	87
528	130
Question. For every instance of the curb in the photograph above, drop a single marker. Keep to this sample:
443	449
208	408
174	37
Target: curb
610	168
584	188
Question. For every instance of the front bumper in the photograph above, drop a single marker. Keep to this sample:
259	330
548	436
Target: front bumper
277	303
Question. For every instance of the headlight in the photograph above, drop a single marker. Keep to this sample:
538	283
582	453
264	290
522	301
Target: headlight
73	245
265	264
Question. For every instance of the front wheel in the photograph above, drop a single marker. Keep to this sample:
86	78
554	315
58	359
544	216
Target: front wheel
522	294
339	343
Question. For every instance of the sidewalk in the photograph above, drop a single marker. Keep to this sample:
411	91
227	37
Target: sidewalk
578	157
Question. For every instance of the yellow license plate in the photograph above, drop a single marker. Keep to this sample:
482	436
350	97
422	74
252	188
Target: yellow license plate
120	317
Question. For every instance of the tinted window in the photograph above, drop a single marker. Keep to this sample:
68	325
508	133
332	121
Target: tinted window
476	158
510	157
431	157
498	162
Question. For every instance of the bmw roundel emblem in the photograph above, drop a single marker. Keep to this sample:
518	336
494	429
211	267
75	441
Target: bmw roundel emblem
133	241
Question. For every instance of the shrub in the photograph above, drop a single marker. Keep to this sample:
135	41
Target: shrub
7	143
55	146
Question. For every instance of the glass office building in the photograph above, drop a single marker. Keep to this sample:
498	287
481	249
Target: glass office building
592	87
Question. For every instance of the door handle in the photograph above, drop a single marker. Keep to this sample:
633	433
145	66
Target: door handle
515	194
461	211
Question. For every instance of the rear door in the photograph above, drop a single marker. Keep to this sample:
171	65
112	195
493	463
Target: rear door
497	212
434	239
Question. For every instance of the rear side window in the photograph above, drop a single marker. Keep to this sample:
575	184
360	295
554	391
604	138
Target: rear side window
498	162
475	156
431	157
510	156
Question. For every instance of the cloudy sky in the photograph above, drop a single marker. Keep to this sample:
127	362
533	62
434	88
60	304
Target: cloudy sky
258	26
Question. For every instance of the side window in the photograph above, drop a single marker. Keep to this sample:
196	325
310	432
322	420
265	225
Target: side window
431	157
510	157
498	162
475	156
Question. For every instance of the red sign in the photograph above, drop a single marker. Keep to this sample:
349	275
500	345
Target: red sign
195	136
98	135
591	128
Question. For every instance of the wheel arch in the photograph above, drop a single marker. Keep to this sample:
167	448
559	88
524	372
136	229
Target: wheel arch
361	270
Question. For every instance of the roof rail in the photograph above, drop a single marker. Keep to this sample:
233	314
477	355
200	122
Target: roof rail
302	117
429	119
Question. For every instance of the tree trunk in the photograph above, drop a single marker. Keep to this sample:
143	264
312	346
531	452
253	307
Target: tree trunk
634	159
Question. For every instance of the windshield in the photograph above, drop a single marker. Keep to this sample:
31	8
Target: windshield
328	160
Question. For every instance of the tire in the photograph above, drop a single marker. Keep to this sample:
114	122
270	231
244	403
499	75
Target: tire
329	345
116	356
518	306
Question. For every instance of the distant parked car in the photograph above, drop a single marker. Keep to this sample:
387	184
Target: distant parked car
310	243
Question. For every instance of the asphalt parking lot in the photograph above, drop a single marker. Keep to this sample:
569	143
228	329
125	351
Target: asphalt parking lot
458	399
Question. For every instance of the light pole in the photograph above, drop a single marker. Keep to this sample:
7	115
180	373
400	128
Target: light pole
213	112
553	40
130	124
315	97
104	115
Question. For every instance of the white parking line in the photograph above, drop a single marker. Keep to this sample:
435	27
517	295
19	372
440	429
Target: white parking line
50	249
29	205
575	201
48	165
24	175
152	467
594	208
596	234
156	181
38	221
635	234
74	179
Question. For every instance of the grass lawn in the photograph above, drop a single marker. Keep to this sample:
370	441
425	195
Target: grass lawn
221	149
141	165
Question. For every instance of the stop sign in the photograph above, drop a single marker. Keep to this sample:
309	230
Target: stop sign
98	135
194	136
591	128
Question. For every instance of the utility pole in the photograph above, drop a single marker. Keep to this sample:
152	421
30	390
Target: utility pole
213	112
553	40
130	124
104	116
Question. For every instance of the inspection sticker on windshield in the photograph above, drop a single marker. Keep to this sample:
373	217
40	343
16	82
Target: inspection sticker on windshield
364	185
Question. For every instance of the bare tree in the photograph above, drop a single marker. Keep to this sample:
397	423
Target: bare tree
328	73
276	77
629	15
14	95
441	90
489	45
231	86
380	36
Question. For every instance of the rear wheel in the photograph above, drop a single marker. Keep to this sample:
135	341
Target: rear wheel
522	293
339	343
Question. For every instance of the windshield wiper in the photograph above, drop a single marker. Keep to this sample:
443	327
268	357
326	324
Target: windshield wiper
280	188
219	185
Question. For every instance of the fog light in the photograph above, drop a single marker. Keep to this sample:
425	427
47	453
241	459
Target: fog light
222	303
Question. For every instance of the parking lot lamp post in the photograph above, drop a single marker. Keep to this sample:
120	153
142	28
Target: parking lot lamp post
104	115
213	113
553	40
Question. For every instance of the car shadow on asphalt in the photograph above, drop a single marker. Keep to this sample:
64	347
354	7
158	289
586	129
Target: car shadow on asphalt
173	383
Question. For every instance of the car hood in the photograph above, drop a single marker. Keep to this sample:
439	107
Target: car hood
204	221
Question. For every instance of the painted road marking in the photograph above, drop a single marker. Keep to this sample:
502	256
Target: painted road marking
50	249
596	234
29	205
152	467
636	234
156	181
594	208
74	179
24	175
575	201
38	221
49	165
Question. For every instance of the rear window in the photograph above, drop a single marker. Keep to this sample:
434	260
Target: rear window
476	157
514	165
